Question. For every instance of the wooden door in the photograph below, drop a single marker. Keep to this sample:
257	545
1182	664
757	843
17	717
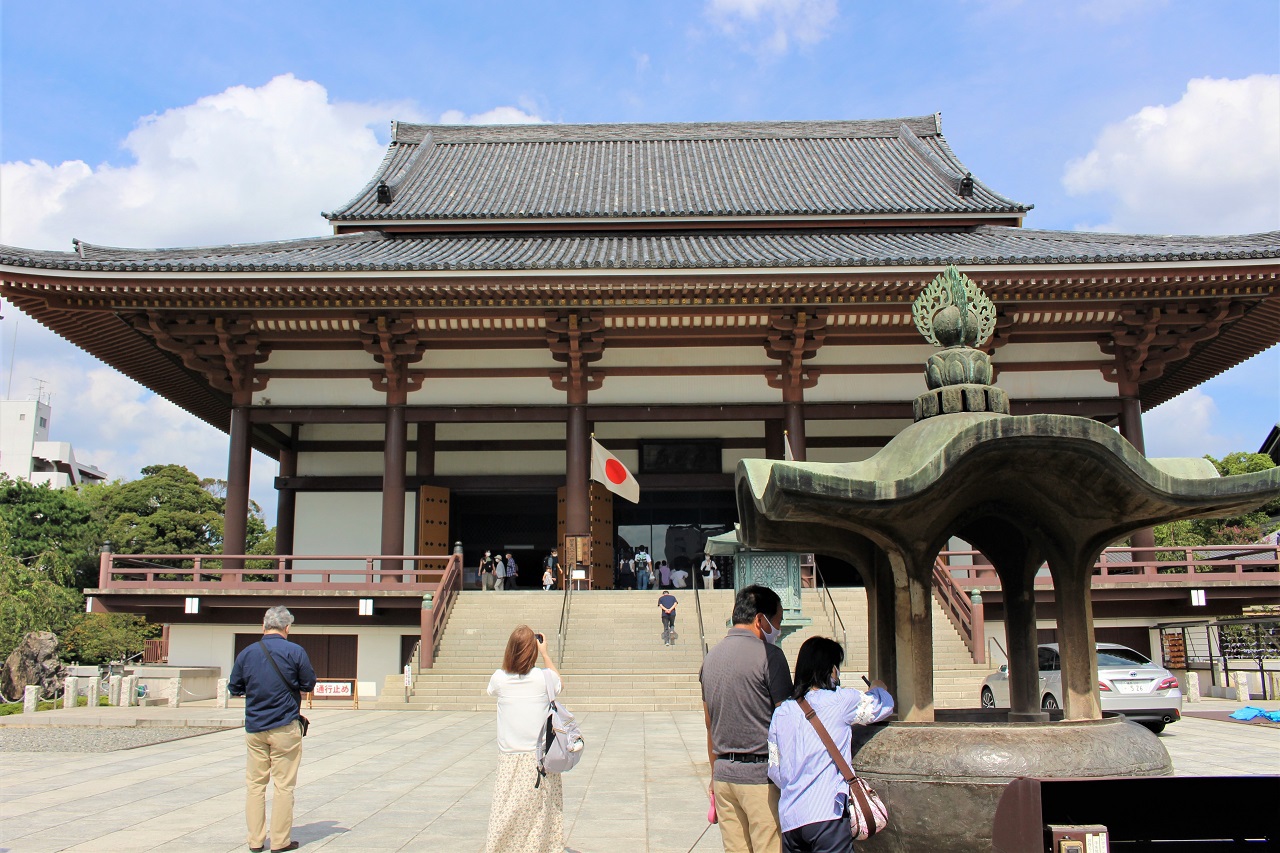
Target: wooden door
433	520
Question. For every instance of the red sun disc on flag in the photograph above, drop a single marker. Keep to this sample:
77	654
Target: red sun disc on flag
615	471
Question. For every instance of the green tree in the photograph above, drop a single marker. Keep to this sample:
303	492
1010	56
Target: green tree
35	594
43	520
166	511
106	637
1236	530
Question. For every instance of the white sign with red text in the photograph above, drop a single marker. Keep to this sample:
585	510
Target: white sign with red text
333	689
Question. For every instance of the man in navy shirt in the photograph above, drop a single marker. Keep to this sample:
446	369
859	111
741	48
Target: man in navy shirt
273	734
667	603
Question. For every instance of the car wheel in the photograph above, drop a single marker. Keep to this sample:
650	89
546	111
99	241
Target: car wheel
1156	728
988	698
1048	703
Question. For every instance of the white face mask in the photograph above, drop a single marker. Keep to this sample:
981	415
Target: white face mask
771	635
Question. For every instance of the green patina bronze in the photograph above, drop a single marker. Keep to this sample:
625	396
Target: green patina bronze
954	313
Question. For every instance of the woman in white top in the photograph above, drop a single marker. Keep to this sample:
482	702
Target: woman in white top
524	818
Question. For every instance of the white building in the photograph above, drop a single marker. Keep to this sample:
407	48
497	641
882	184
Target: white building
26	453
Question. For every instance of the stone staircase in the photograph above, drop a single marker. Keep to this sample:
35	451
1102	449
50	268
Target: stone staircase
615	659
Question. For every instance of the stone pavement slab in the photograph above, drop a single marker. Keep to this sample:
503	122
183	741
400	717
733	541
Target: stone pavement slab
420	781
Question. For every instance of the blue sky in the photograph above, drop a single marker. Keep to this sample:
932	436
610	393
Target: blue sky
133	123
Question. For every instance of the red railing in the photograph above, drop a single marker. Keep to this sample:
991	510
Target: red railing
967	619
122	572
1180	566
289	573
435	617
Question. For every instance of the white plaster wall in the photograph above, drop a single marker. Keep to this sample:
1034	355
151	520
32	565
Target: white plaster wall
1084	384
339	464
709	390
496	432
878	388
319	360
321	392
873	354
489	358
472	391
344	523
377	654
1080	351
343	432
681	356
501	462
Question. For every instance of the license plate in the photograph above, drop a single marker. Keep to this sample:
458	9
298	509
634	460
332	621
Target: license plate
1132	686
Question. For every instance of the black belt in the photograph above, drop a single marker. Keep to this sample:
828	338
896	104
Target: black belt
744	757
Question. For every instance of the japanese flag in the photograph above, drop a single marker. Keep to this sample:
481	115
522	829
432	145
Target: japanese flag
606	469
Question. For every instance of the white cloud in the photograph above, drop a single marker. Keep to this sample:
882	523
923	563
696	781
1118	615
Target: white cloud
1208	164
246	164
770	27
497	115
1184	426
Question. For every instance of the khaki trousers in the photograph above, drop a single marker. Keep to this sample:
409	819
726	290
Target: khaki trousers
274	754
748	816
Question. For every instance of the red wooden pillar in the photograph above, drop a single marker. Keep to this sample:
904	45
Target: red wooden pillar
795	427
425	450
286	500
394	457
1131	429
577	511
236	514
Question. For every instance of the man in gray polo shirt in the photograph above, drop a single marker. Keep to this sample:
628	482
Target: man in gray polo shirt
743	679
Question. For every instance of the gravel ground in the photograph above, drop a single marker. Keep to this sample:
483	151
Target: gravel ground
92	738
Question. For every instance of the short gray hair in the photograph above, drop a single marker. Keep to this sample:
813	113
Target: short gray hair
277	618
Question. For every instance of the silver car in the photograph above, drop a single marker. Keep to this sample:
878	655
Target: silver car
1128	682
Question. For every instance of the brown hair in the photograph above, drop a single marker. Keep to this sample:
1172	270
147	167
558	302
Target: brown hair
522	651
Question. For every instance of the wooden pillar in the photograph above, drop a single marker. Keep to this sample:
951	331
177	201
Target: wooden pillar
425	450
773	438
393	485
236	516
1131	429
577	514
286	500
795	429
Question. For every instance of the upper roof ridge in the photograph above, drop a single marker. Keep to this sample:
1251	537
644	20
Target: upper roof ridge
405	133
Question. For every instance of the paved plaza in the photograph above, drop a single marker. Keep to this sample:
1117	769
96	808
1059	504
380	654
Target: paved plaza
415	781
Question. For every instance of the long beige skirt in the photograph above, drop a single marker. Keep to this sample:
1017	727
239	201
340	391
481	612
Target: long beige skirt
525	819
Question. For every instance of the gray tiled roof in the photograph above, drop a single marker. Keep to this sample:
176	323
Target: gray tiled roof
655	171
782	249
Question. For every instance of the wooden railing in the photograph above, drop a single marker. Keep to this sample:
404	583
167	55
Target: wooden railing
955	576
1176	566
966	618
435	618
123	572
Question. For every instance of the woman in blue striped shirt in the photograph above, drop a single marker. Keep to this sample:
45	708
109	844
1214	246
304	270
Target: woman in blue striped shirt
814	807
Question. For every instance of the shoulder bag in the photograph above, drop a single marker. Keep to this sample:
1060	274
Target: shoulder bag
867	812
560	743
303	722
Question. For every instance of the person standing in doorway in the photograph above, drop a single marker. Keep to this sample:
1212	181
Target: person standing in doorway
552	564
548	579
499	573
708	572
744	677
271	675
667	603
644	577
486	571
513	573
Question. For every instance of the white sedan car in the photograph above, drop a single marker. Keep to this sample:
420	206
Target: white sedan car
1129	684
